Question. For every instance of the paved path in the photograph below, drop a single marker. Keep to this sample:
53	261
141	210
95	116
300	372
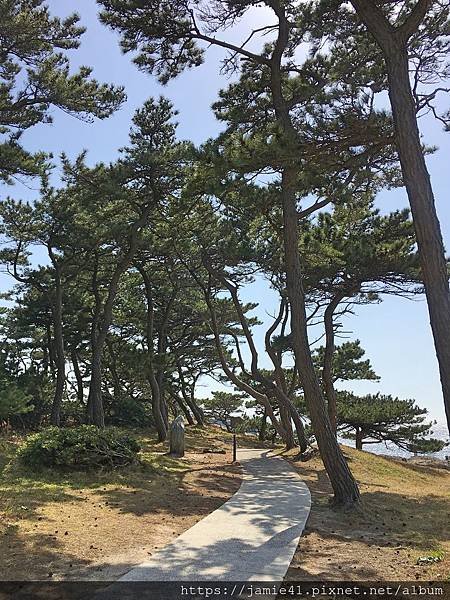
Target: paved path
253	536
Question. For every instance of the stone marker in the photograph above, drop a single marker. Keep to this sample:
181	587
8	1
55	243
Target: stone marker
177	437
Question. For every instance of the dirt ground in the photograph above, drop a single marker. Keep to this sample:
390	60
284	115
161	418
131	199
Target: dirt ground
404	516
97	527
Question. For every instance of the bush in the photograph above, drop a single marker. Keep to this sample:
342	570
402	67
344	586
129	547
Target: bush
79	448
129	412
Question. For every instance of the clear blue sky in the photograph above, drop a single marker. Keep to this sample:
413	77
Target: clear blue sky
395	334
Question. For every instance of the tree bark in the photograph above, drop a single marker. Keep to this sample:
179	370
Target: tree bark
272	389
102	321
184	408
160	378
51	351
162	350
344	486
426	223
241	385
394	44
160	424
299	429
327	370
95	412
78	376
282	387
359	439
196	410
263	427
285	417
55	416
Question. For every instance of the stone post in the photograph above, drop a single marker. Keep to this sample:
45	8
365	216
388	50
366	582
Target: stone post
177	437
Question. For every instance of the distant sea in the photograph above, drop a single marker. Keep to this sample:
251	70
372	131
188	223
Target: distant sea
440	432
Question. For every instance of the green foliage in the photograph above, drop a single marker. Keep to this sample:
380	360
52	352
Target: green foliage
14	397
129	412
248	425
13	401
221	406
347	363
166	58
380	418
79	448
35	75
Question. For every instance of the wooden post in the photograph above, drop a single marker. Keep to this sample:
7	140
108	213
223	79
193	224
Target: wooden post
177	437
234	448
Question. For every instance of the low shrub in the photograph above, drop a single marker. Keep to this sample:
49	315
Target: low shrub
79	448
129	412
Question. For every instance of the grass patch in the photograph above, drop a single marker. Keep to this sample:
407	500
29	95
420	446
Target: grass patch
404	515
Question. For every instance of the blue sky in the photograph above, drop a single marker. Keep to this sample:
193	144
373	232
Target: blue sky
395	334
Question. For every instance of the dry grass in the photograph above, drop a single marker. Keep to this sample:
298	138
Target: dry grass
87	525
404	515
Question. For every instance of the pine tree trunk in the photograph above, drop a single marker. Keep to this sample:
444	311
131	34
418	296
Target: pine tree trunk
394	44
327	370
285	418
263	427
189	398
426	223
55	417
95	411
196	410
299	428
162	398
359	439
184	408
160	423
344	485
78	376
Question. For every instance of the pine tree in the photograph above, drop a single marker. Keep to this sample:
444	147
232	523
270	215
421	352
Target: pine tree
379	418
35	75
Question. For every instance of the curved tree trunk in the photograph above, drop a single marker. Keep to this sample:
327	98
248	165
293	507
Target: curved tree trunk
196	410
416	178
426	223
103	319
160	423
345	488
241	385
185	410
344	485
163	407
189	398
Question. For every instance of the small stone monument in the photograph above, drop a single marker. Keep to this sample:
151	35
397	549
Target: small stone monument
177	437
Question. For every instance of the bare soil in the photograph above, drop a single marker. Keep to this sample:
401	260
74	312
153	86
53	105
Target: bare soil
99	526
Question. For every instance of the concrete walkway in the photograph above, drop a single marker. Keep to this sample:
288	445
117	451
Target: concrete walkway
253	536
